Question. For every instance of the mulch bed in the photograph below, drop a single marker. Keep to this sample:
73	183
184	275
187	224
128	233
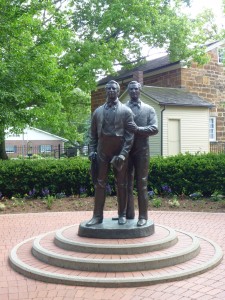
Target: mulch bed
86	204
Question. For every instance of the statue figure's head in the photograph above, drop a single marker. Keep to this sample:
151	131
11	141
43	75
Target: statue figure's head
112	90
134	89
134	82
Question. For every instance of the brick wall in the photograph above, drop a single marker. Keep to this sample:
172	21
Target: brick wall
208	82
167	79
22	147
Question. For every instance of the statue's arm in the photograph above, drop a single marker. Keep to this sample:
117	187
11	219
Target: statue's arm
128	135
152	125
93	134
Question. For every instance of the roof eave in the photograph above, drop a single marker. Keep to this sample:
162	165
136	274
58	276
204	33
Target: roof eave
187	105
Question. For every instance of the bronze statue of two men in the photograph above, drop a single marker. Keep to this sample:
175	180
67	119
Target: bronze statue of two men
119	137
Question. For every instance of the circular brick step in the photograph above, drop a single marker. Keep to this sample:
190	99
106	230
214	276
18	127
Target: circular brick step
22	260
66	238
185	249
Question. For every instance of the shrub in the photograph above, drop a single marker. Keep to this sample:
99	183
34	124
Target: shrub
2	206
49	201
217	196
174	202
39	176
167	175
189	173
156	202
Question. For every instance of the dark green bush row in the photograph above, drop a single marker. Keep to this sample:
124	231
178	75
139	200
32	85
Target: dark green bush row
183	174
34	176
186	174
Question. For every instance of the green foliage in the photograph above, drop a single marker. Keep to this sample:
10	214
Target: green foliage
2	207
174	202
49	201
35	87
53	52
40	178
217	196
45	177
111	31
189	173
156	202
18	202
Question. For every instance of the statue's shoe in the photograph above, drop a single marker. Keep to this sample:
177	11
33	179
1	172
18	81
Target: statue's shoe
122	220
94	221
141	222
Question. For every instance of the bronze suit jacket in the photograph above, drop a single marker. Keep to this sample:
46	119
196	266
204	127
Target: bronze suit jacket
123	116
146	120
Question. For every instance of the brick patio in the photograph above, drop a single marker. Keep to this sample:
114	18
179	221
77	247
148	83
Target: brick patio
16	228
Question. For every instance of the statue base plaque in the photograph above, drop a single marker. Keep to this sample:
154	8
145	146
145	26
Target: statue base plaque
110	229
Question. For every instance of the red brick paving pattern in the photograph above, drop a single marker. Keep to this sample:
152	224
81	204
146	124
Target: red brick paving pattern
16	228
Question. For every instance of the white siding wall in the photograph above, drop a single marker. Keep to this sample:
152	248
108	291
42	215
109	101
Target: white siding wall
194	125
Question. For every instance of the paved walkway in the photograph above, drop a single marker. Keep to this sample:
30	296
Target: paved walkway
16	228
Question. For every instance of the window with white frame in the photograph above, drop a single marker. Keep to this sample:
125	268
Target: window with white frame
45	148
212	129
10	149
221	55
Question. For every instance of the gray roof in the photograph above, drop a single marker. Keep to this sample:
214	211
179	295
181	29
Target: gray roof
146	67
174	97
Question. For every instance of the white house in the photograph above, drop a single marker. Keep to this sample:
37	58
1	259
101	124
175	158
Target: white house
183	120
32	141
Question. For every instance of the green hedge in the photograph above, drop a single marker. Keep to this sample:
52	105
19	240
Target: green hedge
187	174
57	176
184	174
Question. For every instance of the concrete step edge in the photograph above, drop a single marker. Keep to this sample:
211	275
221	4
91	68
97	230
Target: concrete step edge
115	265
45	276
73	245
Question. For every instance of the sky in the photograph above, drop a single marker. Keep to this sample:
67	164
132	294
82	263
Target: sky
215	5
197	6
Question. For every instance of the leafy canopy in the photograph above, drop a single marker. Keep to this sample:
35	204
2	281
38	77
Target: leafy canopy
52	52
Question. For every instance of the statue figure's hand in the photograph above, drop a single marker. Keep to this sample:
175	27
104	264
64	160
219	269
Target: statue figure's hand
92	155
118	161
120	158
132	127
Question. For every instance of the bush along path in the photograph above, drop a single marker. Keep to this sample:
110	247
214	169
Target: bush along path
187	174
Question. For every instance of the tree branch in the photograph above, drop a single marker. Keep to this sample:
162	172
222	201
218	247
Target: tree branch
132	61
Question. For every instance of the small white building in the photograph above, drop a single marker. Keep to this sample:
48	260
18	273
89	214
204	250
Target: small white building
183	116
32	141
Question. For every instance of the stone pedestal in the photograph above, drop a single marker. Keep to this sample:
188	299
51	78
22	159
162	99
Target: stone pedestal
110	229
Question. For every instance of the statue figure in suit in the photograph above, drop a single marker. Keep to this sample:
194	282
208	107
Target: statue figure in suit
145	125
110	142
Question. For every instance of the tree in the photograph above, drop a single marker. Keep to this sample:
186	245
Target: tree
52	53
109	32
29	64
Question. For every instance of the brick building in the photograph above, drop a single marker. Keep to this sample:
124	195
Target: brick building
207	82
33	141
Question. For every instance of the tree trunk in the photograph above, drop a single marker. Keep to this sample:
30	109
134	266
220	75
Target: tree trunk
3	154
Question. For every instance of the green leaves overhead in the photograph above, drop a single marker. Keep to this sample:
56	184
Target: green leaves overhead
52	53
113	32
